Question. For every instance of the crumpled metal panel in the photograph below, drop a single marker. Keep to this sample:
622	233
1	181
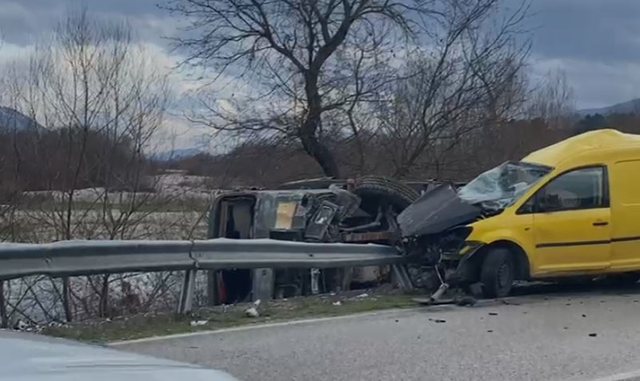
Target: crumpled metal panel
436	211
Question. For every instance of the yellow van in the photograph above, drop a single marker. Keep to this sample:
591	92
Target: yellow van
571	209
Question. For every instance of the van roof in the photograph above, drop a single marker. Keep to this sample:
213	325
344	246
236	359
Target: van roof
594	142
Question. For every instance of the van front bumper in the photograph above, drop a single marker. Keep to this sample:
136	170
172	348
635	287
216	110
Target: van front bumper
463	267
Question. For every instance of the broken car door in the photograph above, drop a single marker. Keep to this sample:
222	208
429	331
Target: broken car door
572	222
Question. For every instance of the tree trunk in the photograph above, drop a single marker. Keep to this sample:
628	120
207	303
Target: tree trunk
308	131
318	151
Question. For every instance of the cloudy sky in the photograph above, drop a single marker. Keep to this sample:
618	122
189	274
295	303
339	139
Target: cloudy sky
595	42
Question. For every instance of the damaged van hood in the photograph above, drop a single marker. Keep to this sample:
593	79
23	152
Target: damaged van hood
435	212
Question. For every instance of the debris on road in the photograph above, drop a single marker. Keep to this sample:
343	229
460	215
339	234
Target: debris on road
198	323
466	301
252	312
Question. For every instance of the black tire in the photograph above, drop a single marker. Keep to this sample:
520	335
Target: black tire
497	273
376	190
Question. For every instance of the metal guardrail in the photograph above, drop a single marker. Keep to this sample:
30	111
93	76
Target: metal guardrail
98	257
69	258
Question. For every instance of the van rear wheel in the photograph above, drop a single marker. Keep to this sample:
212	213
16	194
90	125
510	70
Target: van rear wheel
497	273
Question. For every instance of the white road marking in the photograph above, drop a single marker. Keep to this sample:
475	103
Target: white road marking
627	376
258	326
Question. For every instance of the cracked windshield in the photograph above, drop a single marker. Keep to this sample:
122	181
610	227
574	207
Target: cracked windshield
503	185
319	190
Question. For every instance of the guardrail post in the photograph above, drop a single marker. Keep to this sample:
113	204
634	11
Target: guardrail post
185	303
66	299
400	277
4	319
263	282
212	287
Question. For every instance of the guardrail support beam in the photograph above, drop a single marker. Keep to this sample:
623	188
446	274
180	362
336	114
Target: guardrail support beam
262	284
185	304
400	277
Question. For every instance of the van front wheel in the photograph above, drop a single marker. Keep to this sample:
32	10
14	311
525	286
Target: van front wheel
497	273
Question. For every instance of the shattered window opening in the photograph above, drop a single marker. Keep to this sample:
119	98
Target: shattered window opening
503	185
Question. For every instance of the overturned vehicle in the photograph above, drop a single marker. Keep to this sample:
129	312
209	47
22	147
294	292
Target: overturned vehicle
363	210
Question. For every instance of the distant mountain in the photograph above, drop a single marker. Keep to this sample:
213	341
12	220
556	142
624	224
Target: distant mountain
629	107
10	119
177	154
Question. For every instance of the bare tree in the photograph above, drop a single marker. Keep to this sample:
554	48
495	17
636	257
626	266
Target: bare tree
552	101
99	102
300	61
468	80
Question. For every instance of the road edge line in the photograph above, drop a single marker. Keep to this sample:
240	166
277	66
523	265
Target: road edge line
249	327
632	375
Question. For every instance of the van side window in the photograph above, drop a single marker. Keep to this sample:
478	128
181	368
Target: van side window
584	188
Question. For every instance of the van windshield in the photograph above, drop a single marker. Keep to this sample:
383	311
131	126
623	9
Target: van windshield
503	185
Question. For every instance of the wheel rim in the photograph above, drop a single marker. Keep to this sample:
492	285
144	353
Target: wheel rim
504	275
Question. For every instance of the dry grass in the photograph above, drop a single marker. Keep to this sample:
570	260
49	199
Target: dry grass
147	325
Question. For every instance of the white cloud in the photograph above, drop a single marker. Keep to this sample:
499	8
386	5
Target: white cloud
11	52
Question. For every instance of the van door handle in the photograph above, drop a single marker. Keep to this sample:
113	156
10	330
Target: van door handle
600	223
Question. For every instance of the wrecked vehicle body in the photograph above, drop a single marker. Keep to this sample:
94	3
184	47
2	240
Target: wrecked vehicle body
364	210
437	228
567	210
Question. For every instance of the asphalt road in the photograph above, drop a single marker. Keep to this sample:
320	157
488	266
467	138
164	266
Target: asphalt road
584	335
